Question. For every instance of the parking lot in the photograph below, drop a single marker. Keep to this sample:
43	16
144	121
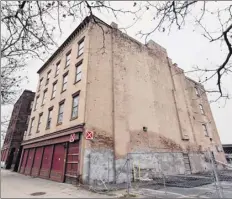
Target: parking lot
206	191
191	186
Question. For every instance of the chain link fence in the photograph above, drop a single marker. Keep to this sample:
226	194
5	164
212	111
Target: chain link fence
165	174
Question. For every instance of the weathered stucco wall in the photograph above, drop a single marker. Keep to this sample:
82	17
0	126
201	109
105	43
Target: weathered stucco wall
131	86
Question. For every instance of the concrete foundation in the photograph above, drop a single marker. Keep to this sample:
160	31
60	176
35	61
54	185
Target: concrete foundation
199	162
99	165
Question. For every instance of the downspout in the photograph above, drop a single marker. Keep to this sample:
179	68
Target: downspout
82	140
174	97
190	121
113	106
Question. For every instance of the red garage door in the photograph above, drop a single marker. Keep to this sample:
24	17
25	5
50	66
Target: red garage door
37	161
72	160
29	161
57	171
5	154
24	161
2	155
46	162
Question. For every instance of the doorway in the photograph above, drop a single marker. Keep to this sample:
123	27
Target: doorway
10	159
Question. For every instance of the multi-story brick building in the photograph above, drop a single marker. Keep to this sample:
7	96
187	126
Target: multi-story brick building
128	94
11	150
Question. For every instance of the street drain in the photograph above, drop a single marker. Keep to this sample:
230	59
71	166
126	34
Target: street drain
111	194
38	193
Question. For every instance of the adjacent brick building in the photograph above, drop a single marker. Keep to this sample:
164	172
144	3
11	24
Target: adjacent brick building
11	150
130	95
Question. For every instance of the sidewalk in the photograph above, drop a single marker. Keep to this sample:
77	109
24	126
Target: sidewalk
15	185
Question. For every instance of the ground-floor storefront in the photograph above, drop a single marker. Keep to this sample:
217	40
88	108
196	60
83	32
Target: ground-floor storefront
54	157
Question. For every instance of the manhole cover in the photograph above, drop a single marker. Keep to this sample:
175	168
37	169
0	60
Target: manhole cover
111	194
38	193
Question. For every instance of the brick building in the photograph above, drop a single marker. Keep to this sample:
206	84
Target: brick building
11	150
130	95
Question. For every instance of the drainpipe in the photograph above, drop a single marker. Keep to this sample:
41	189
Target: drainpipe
174	98
114	27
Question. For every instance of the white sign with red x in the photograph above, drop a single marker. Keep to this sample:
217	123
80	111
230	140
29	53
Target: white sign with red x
89	135
72	137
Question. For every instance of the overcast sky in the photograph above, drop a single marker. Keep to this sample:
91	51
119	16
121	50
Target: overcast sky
185	47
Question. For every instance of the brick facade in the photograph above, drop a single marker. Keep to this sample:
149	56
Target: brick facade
18	124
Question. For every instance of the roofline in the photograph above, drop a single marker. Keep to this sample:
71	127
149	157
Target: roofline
28	91
195	82
79	27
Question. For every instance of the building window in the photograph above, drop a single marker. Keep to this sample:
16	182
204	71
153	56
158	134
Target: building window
39	122
28	119
40	84
75	106
32	124
68	59
205	130
48	77
65	81
36	102
196	91
54	90
44	97
31	105
61	112
78	72
49	118
80	47
57	68
201	108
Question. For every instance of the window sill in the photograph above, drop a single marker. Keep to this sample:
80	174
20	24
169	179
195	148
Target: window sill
73	118
79	55
63	91
58	124
76	82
